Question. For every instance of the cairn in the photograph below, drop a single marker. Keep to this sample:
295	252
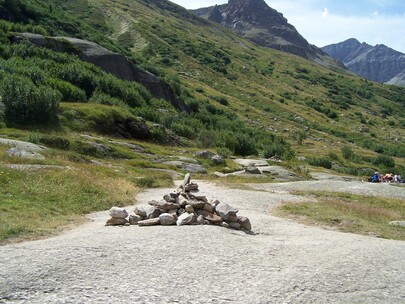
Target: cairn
185	207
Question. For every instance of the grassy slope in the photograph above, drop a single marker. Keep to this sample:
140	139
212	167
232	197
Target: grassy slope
279	100
265	88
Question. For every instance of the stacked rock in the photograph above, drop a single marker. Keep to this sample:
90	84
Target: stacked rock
184	207
118	217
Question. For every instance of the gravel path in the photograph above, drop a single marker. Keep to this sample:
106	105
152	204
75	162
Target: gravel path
283	262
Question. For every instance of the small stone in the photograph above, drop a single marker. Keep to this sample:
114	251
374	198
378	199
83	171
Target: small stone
197	204
189	209
185	219
181	211
182	201
153	212
225	225
212	217
191	187
167	219
168	198
215	203
164	205
116	222
244	222
223	210
232	217
234	225
149	222
186	180
200	220
117	212
208	207
134	219
140	211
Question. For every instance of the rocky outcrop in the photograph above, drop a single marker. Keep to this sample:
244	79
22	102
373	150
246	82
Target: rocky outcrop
378	63
111	62
256	21
183	207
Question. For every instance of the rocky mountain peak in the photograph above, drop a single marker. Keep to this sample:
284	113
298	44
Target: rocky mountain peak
256	21
379	63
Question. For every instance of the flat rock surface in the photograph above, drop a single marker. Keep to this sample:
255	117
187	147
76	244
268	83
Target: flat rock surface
282	262
22	145
251	162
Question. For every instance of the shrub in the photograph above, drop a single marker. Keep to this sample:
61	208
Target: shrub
26	103
225	152
320	162
69	91
383	160
347	152
105	99
55	142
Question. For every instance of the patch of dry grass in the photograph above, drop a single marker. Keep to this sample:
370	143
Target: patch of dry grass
349	213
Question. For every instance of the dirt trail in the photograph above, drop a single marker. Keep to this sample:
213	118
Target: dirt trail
284	262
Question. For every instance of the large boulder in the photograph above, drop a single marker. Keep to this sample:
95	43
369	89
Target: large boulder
204	154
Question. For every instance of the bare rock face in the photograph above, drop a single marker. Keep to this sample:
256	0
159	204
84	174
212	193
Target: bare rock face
378	63
117	212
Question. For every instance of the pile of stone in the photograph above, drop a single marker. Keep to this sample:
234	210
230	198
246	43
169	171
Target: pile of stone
183	207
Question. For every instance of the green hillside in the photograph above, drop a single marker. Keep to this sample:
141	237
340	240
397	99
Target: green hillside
244	99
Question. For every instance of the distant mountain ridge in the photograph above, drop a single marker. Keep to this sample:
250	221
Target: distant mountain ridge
378	63
256	21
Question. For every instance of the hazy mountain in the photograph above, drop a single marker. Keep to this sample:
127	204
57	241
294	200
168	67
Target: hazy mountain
378	63
256	21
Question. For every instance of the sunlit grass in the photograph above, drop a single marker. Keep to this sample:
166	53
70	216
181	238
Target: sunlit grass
349	213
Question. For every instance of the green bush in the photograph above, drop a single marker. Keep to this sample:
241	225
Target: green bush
69	91
26	103
55	142
347	152
224	152
105	99
385	161
320	162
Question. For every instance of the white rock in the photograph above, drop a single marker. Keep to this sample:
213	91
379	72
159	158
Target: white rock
117	212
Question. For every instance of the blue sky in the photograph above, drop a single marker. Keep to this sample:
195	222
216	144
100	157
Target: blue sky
324	22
